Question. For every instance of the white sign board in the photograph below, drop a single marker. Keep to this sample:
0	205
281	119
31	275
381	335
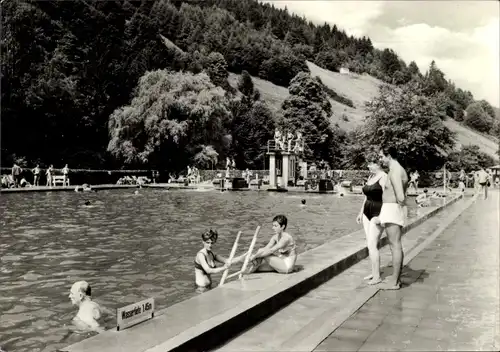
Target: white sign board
135	313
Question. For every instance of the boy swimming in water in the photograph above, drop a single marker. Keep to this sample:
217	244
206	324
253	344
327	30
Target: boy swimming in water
205	260
279	255
88	311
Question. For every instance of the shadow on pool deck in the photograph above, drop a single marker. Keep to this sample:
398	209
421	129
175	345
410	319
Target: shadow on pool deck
215	316
408	275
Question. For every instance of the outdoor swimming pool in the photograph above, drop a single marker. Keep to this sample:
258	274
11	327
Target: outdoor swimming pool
130	247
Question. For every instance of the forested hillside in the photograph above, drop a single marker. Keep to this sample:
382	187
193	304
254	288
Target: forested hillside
80	83
361	89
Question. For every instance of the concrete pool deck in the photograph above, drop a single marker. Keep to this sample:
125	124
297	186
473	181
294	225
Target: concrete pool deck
449	300
213	317
304	324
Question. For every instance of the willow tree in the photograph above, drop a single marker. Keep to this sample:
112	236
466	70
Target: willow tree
170	117
207	157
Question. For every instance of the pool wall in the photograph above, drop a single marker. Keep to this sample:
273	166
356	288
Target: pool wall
204	321
63	188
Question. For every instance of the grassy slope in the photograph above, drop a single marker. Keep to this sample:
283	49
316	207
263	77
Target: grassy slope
466	136
358	88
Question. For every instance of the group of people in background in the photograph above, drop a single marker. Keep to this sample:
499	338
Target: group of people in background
193	174
483	180
17	178
287	141
478	179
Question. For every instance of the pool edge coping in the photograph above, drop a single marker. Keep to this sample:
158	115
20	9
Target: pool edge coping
270	296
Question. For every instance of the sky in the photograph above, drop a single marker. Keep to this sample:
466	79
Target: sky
461	36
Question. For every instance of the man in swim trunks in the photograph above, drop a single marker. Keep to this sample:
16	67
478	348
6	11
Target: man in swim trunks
89	312
483	179
393	212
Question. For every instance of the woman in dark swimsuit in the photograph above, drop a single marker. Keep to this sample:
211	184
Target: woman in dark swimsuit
204	262
369	213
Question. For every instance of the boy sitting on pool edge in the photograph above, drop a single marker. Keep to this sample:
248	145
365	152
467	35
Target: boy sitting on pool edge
279	254
422	199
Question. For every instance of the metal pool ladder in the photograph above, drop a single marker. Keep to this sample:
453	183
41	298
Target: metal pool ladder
239	273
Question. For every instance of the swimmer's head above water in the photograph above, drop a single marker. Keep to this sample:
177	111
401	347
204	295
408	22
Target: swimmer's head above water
79	291
303	201
209	238
89	312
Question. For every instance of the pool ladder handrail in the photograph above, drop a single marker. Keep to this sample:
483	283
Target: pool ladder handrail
225	275
231	256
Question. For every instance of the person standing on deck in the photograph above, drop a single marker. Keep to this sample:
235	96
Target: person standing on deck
414	176
369	214
393	213
49	173
447	181
65	172
476	182
16	174
36	173
483	180
462	176
469	179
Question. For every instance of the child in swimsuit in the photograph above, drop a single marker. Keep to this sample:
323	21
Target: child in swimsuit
280	253
422	199
461	186
414	176
204	263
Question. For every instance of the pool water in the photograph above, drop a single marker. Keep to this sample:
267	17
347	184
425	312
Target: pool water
130	247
